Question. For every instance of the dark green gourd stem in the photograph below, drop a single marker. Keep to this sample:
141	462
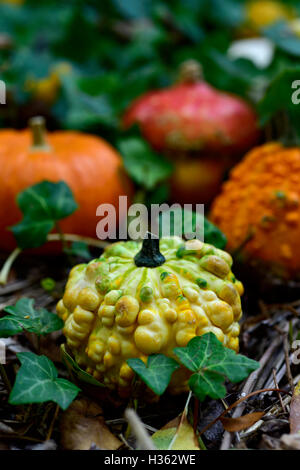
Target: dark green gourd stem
149	256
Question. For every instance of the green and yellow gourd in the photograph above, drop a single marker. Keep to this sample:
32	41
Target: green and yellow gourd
135	301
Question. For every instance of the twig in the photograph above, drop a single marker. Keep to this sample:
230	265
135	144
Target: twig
70	237
143	439
125	442
52	423
287	362
8	264
5	378
183	416
61	236
20	437
233	405
52	237
276	386
249	385
196	413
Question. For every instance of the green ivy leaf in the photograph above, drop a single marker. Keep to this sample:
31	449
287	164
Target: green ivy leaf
80	249
42	206
157	373
209	384
279	94
229	13
81	375
23	315
284	38
37	382
146	168
48	284
133	9
84	109
9	327
211	363
212	234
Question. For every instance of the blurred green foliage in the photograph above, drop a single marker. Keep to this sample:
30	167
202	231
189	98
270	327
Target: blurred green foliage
117	50
96	57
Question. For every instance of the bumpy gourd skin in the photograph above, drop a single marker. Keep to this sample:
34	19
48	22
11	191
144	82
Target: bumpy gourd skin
259	208
114	311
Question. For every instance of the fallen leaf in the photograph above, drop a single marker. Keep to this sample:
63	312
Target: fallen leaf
82	425
183	436
174	423
295	411
290	441
241	423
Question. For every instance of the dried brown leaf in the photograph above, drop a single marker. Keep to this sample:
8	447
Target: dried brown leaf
290	441
82	425
241	423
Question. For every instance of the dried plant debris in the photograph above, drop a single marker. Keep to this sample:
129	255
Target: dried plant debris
83	426
268	420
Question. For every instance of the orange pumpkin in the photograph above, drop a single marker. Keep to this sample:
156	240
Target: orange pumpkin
88	164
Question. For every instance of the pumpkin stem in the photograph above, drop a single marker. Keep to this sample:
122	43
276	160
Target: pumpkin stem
149	256
38	129
190	71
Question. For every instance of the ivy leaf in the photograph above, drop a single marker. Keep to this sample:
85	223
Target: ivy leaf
74	368
284	38
42	205
157	373
9	327
279	94
213	235
23	315
133	9
227	12
144	166
211	363
209	384
80	249
177	224
31	233
84	108
37	382
48	284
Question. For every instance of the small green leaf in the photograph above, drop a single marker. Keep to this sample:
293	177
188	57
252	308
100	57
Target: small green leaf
284	38
81	375
24	316
179	219
9	327
146	168
80	249
48	284
229	13
211	363
37	382
42	206
133	9
207	384
213	235
279	91
157	373
31	233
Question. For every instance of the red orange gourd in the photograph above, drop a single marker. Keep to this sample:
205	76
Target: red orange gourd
193	116
200	128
